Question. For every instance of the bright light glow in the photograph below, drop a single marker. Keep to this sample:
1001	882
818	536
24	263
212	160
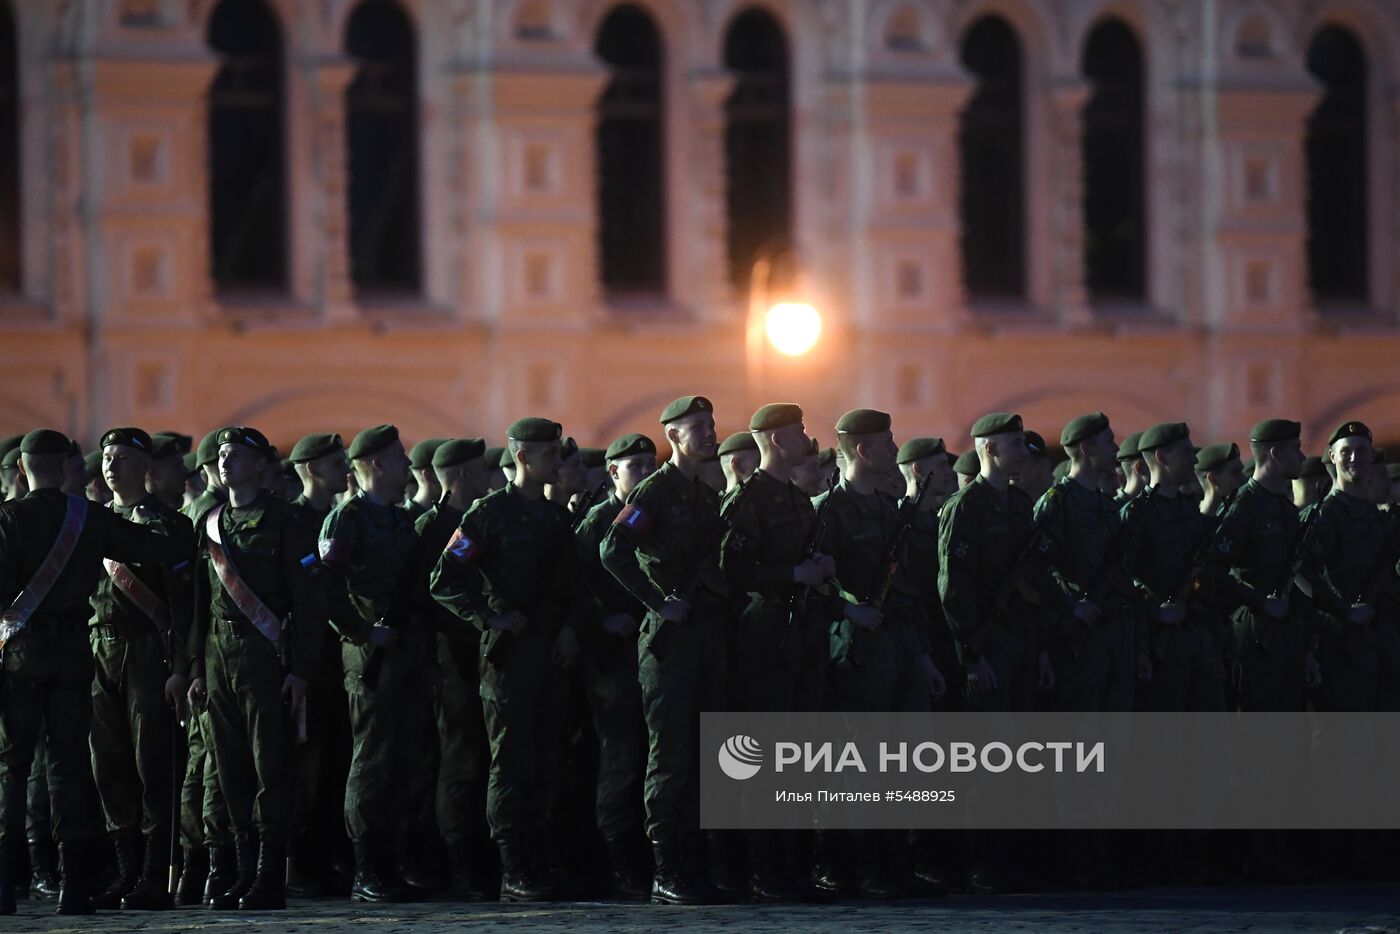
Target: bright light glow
793	327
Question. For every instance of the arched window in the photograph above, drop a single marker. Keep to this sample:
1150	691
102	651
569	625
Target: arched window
9	152
1114	229
381	130
631	170
757	142
993	185
247	192
1337	166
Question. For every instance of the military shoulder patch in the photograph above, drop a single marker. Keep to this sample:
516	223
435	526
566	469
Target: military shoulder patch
461	548
634	519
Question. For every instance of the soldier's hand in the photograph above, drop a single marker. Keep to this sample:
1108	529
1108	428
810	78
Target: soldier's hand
619	624
1361	614
980	676
1144	668
933	678
1087	612
176	689
826	563
507	622
294	690
1046	672
864	617
565	647
382	637
1171	614
198	696
674	610
1275	606
809	573
1312	671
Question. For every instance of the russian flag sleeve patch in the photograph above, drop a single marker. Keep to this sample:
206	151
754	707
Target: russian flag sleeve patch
634	519
461	549
333	551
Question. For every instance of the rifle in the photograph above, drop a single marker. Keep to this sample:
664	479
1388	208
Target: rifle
797	600
908	510
587	502
689	583
1203	547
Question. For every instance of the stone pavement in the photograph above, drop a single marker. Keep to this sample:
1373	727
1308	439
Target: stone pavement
1350	909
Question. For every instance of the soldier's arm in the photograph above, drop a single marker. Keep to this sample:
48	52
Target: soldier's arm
456	582
618	550
1056	583
178	582
298	560
129	543
1135	556
335	549
958	583
201	596
1218	578
9	571
1314	568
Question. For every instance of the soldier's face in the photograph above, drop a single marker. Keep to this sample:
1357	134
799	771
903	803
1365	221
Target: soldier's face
239	465
333	472
740	465
694	435
1289	457
1179	462
942	480
571	473
124	468
792	443
165	478
478	478
627	472
541	460
1229	478
394	466
880	451
1101	451
1010	451
1352	458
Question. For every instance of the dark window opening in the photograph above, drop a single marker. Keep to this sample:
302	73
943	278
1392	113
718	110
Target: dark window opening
1114	215
381	130
9	152
757	143
247	193
631	173
1338	264
992	194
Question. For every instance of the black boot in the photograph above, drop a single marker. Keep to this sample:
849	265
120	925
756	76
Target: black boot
8	874
470	880
193	875
630	880
670	882
768	878
43	868
268	892
223	872
371	883
830	872
520	881
724	870
73	898
246	857
152	892
127	846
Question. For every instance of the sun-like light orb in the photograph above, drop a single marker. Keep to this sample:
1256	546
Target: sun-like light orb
793	327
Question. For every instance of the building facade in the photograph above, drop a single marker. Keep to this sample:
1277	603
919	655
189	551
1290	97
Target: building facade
314	215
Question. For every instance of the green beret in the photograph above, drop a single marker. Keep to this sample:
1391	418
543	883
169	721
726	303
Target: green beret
1349	430
11	458
314	447
739	441
1061	471
1128	450
208	450
591	457
454	451
826	458
630	444
47	441
967	464
775	415
128	437
863	422
684	406
493	456
191	461
1083	427
1214	456
10	444
916	449
507	459
373	440
1271	430
164	446
92	464
247	437
1162	434
997	423
421	457
183	443
535	429
1035	442
567	448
